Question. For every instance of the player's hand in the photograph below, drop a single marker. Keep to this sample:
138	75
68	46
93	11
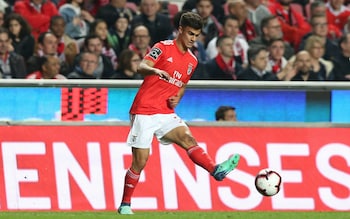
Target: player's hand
162	74
173	101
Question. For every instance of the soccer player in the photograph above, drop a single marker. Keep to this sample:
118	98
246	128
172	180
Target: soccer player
166	69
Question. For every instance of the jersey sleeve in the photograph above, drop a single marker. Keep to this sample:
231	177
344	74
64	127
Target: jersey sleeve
156	53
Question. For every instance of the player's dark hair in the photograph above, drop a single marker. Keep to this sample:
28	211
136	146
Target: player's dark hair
191	19
253	51
220	112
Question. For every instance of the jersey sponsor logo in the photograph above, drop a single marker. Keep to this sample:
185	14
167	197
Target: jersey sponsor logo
155	53
189	68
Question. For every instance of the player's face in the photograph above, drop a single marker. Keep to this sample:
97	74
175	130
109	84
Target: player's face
188	36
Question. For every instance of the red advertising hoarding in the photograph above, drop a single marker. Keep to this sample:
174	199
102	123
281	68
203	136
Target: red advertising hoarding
77	168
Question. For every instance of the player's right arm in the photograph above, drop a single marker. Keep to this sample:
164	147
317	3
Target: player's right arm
146	67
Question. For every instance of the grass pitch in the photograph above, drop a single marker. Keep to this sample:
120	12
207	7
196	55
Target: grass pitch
176	215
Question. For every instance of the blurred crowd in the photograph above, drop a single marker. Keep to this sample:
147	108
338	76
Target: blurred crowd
286	40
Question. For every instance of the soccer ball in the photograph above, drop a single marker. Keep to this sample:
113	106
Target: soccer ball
268	182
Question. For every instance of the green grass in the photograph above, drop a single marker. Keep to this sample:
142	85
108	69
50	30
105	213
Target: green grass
176	215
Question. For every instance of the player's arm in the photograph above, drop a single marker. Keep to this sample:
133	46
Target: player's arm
174	100
146	67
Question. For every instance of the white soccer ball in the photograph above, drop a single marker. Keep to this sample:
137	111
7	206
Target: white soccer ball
268	182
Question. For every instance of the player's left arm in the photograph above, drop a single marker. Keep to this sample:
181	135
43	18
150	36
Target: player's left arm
174	100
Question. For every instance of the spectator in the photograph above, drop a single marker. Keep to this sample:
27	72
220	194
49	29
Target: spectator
127	67
77	20
22	41
303	67
240	46
320	28
226	113
271	29
67	48
140	41
119	34
12	65
341	61
319	8
293	23
94	44
337	13
47	46
38	14
99	28
323	68
257	63
4	10
276	59
86	68
218	8
92	6
224	66
49	69
158	24
256	12
111	11
212	27
239	9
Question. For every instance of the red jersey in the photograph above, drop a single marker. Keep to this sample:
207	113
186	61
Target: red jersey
153	95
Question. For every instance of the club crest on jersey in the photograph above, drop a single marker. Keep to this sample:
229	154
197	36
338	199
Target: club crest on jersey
189	68
155	52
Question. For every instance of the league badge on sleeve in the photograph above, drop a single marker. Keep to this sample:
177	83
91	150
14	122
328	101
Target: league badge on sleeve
155	53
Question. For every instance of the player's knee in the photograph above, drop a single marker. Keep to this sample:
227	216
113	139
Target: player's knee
189	140
140	163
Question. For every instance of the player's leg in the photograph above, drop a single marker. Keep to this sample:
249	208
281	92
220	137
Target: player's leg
177	131
140	139
182	136
139	160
